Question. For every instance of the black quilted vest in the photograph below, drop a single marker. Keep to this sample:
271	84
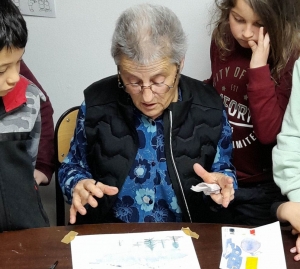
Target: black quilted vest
192	130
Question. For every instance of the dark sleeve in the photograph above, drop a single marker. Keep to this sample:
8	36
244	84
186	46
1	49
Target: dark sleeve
45	158
274	208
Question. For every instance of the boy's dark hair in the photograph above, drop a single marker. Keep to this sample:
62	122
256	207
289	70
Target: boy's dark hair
13	30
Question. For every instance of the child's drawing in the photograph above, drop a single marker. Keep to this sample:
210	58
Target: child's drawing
172	249
252	248
17	2
250	245
41	8
43	5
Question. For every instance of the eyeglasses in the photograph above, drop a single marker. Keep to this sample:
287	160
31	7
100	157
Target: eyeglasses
158	88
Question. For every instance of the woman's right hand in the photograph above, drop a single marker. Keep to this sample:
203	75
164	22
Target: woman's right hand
83	194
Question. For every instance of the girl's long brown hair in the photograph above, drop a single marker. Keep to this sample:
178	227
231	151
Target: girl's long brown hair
281	19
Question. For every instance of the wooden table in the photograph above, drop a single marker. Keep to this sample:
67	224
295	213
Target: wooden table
40	248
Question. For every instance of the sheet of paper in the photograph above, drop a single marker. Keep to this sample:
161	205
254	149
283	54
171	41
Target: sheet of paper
258	248
40	8
168	249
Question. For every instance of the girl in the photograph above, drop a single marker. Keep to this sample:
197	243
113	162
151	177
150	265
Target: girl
254	46
286	160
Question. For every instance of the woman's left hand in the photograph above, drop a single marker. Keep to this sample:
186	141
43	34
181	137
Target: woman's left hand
225	182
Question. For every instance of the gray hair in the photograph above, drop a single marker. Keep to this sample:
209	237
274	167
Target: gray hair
146	32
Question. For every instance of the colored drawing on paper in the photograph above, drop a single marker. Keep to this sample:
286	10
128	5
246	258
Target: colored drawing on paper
250	245
135	250
245	248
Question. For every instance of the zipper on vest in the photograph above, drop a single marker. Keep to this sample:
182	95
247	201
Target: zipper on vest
175	168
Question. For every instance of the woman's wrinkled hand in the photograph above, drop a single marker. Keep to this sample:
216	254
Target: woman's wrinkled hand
225	182
84	193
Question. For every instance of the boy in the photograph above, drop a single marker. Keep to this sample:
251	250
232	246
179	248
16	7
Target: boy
20	203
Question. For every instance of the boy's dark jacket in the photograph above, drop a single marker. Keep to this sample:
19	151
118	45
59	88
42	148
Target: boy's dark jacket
20	203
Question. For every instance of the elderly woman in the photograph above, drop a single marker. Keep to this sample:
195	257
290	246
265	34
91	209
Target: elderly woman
145	136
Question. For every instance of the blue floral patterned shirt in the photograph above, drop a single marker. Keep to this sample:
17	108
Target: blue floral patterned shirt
147	194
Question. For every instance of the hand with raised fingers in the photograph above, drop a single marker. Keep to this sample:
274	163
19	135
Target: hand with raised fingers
83	194
260	50
225	182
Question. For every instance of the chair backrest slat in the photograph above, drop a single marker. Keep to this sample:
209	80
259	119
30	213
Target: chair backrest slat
63	133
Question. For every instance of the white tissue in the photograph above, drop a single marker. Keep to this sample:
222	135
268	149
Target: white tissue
206	188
